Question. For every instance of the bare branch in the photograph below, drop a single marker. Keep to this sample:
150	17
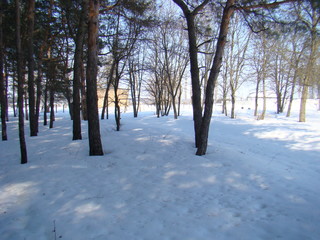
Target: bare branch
109	8
200	7
263	5
183	6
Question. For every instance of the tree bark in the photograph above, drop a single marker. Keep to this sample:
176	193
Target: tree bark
214	72
51	96
194	66
2	82
106	95
6	102
83	92
23	147
31	91
256	101
311	62
14	105
117	112
233	103
45	107
303	102
92	65
264	108
195	79
79	41
39	90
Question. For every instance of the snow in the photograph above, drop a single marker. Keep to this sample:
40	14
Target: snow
259	180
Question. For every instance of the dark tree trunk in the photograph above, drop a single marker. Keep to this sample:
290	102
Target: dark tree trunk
32	115
106	95
133	88
52	79
2	83
6	70
83	92
105	107
51	107
117	112
45	107
79	41
194	67
92	65
179	101
39	90
256	102
195	80
214	72
26	106
23	147
14	105
233	104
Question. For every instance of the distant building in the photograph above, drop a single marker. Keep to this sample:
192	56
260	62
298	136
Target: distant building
123	95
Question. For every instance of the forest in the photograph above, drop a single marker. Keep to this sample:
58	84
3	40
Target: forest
164	53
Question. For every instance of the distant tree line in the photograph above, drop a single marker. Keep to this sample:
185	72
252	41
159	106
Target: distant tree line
59	49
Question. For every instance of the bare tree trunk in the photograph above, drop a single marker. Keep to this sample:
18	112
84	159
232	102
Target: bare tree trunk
45	107
95	144
256	102
83	93
233	103
195	80
79	41
194	66
106	95
2	82
14	105
116	97
105	107
23	147
135	81
31	91
311	62
51	107
303	102
262	116
26	105
39	91
6	90
179	100
292	92
214	72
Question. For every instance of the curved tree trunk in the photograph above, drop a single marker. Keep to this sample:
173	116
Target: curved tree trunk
214	72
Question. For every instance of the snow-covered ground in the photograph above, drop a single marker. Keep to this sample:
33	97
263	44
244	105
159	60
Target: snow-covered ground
259	180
